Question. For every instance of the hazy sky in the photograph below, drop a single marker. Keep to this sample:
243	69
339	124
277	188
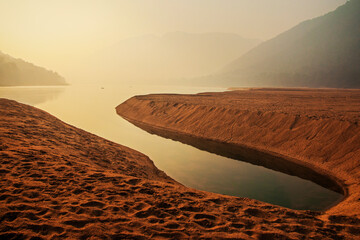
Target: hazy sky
56	34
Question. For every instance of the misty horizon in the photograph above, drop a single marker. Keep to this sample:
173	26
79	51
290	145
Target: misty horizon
179	119
64	36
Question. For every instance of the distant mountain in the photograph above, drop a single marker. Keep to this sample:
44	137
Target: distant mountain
172	56
17	72
322	52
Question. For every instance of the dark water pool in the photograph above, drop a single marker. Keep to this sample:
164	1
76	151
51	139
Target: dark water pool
203	165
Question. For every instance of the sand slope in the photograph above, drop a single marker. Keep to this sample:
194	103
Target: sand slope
315	128
59	182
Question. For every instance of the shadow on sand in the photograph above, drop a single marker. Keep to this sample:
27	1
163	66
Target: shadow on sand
248	155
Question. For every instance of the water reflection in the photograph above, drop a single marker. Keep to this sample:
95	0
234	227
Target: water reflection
92	108
246	155
32	95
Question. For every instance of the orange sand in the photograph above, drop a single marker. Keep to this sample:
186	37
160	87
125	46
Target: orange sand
58	181
318	129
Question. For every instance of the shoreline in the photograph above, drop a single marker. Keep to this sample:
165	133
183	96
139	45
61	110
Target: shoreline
204	116
339	182
58	181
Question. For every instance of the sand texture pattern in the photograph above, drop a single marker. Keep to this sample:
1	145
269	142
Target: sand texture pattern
318	129
60	182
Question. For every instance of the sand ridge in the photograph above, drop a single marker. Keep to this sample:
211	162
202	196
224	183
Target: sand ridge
317	128
58	182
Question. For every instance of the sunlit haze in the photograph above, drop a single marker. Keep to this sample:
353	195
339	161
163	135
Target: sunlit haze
60	35
179	119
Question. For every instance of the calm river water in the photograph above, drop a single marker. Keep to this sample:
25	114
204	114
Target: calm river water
92	108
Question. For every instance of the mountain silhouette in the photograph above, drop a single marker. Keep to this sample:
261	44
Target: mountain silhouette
321	52
17	72
168	58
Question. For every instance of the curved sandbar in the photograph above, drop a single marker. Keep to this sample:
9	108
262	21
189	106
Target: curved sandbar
253	156
317	129
60	182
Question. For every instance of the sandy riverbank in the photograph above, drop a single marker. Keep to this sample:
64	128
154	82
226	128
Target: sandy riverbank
58	181
317	129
